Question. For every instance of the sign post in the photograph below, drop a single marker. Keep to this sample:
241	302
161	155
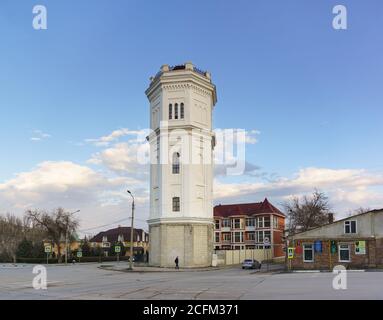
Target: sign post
117	249
266	242
79	255
48	250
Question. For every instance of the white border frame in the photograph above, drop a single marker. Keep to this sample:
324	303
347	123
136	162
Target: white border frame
356	226
349	252
312	248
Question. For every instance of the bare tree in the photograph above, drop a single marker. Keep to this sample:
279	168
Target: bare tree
57	225
360	210
11	234
307	212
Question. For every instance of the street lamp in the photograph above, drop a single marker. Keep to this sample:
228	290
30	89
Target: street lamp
131	235
66	237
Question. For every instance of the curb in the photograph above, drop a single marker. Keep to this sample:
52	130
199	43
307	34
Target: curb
159	271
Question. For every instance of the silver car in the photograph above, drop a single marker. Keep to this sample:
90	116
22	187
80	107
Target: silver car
251	264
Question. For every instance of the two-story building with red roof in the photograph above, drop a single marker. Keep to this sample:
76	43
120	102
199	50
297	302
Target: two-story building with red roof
249	226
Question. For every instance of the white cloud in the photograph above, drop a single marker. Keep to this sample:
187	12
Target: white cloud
122	158
347	188
100	198
39	135
116	134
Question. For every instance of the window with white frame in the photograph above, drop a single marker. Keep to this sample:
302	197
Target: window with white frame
259	236
344	253
217	224
182	113
217	238
275	222
250	236
350	226
266	222
170	111
267	234
308	253
176	204
237	223
158	148
120	238
238	237
250	222
176	111
176	163
227	237
260	222
226	223
104	239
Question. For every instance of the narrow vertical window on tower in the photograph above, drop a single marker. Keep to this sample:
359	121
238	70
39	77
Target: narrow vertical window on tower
182	111
176	163
158	149
176	111
176	204
170	111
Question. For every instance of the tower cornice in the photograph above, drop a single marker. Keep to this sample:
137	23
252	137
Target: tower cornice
175	79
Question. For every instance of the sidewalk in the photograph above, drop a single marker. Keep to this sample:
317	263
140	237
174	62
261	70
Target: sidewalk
125	268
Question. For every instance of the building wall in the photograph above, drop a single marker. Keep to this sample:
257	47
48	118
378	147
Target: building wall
276	234
369	229
191	243
327	260
232	257
369	224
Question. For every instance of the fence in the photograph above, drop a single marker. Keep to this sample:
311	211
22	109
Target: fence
231	257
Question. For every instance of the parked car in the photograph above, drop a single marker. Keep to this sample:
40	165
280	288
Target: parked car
251	264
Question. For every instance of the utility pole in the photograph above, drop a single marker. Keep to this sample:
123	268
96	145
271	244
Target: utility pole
66	236
131	235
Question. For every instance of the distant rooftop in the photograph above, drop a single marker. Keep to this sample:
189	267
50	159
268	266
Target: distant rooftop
247	209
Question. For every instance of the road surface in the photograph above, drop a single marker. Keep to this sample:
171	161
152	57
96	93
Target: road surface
88	281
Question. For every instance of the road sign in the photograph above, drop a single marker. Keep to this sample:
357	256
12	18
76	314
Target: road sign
117	249
266	241
106	244
290	253
48	249
79	254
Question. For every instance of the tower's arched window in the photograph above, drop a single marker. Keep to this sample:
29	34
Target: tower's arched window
176	204
170	111
176	111
176	163
182	111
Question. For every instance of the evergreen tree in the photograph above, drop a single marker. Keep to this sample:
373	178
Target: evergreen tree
25	249
38	250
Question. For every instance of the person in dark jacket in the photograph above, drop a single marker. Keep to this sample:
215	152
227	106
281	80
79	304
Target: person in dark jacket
177	262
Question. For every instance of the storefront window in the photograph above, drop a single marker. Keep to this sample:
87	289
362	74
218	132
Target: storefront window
308	253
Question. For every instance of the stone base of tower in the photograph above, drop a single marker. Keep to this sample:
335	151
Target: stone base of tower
192	243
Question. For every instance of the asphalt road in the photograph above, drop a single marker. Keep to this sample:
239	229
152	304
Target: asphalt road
90	282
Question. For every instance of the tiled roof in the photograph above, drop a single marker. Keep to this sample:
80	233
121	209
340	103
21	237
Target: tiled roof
247	209
112	234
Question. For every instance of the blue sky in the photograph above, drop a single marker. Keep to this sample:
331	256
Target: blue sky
314	93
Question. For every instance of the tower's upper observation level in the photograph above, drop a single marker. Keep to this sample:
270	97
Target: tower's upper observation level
186	72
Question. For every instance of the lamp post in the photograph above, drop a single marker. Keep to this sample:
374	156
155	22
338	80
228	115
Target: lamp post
66	237
131	235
